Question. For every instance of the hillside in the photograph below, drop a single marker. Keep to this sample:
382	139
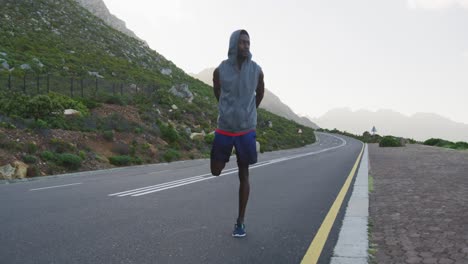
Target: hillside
270	102
420	126
137	106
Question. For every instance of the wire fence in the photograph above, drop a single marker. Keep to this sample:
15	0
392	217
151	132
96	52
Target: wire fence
34	84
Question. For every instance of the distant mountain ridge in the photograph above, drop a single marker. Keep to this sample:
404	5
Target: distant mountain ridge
270	102
420	126
99	9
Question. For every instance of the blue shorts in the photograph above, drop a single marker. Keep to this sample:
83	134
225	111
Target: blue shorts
246	147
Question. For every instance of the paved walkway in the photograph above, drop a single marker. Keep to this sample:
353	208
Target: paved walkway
419	207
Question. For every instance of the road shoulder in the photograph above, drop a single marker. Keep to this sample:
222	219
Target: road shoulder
352	244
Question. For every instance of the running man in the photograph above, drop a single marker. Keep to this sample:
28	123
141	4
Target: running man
239	87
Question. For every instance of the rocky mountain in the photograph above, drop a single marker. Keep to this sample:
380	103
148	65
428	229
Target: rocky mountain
99	9
420	126
270	102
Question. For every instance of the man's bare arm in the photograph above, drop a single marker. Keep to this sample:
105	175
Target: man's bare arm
260	89
216	84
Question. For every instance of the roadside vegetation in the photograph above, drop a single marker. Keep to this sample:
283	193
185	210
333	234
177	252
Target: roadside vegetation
119	130
446	144
392	141
372	251
367	137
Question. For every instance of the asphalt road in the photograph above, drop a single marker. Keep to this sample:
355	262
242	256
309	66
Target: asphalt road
177	212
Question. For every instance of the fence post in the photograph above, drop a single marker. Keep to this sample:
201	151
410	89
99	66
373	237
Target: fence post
96	84
81	84
113	89
121	89
24	82
71	86
37	84
48	77
9	80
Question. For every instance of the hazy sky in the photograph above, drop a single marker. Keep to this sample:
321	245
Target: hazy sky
406	55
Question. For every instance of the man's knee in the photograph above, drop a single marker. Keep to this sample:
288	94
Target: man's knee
217	167
215	172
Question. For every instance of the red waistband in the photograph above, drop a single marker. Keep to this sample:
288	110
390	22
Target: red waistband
232	134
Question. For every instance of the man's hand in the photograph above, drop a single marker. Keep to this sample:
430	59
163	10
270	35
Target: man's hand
260	89
216	84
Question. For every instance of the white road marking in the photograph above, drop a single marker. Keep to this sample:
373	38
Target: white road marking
57	186
162	185
156	172
208	176
120	194
171	186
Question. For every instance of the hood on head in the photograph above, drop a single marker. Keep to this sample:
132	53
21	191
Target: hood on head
233	42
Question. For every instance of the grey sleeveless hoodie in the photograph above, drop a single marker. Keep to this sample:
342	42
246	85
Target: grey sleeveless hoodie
237	108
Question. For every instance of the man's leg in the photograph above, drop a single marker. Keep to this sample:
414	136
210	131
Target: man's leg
246	154
217	167
244	190
220	152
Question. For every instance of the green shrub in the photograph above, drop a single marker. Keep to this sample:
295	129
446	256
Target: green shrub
40	124
69	160
82	154
48	155
116	122
209	138
13	103
68	103
137	160
117	100
108	135
446	144
112	99
389	141
461	145
30	159
146	146
41	106
170	155
122	160
366	137
435	142
138	130
7	125
89	103
74	123
31	148
439	143
169	134
10	145
60	146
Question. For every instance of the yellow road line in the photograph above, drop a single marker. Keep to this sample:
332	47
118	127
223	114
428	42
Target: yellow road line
315	249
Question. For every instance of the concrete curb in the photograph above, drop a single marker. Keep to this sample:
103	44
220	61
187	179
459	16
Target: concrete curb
353	243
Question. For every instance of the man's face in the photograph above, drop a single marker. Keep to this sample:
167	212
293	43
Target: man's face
243	46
